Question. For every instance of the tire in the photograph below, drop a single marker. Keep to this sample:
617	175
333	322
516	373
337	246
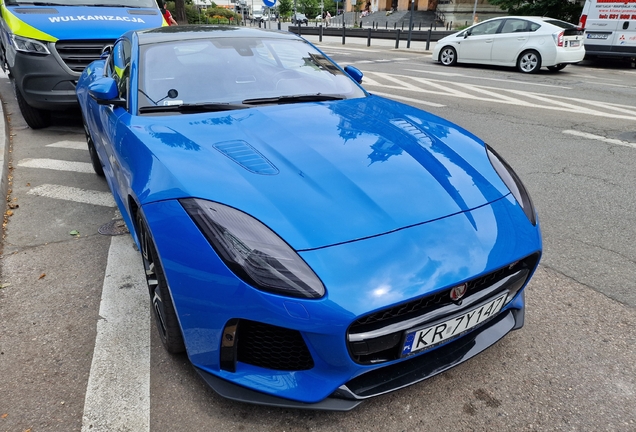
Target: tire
529	62
557	67
34	117
448	56
97	165
160	298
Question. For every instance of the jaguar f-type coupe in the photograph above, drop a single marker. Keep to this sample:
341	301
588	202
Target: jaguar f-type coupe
307	243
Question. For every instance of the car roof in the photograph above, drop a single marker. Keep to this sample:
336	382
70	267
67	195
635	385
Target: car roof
190	32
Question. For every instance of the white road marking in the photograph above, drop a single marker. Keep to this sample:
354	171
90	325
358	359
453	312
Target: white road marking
600	82
338	49
59	165
489	79
409	100
118	391
74	194
75	145
500	95
600	138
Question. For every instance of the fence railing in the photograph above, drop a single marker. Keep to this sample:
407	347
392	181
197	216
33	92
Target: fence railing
399	35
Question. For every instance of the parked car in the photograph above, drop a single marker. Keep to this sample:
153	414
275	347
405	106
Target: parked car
299	18
309	244
528	43
610	29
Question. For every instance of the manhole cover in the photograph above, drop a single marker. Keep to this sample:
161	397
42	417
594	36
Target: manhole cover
113	228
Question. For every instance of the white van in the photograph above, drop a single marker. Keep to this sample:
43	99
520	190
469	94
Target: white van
610	28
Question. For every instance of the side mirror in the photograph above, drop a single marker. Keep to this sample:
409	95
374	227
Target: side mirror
466	34
354	73
104	91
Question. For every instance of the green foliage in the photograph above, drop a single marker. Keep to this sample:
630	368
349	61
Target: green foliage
559	9
285	8
310	8
330	5
211	15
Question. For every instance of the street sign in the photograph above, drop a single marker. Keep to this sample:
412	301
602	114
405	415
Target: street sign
269	3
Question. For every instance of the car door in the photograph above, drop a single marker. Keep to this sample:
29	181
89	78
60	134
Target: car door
509	42
114	119
477	44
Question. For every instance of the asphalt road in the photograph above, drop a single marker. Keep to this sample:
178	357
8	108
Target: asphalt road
571	136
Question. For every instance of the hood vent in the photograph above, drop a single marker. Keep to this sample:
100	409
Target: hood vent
246	156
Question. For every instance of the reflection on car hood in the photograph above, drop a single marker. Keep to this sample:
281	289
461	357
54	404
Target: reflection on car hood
318	174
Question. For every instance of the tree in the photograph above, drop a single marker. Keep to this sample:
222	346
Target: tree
310	8
180	12
285	8
559	9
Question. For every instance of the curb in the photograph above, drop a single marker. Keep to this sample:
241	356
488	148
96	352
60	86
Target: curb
4	154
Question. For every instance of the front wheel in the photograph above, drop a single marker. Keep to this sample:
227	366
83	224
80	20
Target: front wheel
97	165
448	56
557	67
529	62
160	298
34	117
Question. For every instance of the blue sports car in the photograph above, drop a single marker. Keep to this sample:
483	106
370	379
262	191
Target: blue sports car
307	243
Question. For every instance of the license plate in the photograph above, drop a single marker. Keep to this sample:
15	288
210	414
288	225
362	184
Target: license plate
428	337
575	43
597	36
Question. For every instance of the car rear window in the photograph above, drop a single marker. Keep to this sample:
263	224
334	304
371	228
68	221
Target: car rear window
559	23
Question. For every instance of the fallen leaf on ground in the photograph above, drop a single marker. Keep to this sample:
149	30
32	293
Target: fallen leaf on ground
42	275
74	233
4	415
4	285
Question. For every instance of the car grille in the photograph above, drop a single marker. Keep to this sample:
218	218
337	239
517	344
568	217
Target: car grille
77	54
388	347
272	347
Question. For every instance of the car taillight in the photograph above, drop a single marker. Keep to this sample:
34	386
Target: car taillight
558	38
582	22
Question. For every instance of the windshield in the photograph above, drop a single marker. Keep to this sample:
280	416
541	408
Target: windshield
103	3
233	70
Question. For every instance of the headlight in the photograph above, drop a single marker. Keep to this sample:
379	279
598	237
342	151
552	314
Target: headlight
31	46
254	252
511	179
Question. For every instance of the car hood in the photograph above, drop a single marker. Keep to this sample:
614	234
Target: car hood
318	174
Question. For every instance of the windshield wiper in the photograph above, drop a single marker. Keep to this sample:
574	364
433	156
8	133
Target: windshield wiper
39	3
292	99
112	5
195	107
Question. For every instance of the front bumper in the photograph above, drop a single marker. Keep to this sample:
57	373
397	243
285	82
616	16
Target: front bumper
389	378
44	81
362	277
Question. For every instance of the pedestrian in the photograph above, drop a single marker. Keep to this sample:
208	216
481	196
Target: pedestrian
166	13
328	19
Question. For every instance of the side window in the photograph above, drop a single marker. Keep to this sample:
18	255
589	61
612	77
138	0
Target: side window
515	26
534	26
119	67
486	28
